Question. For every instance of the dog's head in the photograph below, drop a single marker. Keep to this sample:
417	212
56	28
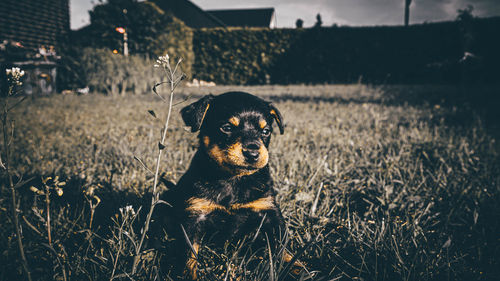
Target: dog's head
235	129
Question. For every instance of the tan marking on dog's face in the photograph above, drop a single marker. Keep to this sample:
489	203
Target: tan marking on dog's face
262	123
216	154
258	205
232	156
235	121
232	160
192	264
263	156
235	154
202	206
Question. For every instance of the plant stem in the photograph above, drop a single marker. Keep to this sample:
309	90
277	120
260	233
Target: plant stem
13	190
156	194
119	250
47	205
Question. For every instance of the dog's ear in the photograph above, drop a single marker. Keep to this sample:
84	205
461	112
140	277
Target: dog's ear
277	116
194	114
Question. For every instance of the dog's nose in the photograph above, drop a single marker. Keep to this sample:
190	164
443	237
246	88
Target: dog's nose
251	152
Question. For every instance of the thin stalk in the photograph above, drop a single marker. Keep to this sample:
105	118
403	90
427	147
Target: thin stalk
47	204
271	265
156	194
119	250
13	191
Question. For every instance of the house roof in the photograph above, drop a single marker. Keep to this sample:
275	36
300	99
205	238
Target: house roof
33	23
192	15
245	17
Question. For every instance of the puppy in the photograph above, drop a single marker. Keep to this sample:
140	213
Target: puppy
227	191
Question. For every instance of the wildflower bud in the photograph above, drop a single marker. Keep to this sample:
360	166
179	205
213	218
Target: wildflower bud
45	180
161	146
14	76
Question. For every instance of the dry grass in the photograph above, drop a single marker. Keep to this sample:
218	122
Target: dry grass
402	188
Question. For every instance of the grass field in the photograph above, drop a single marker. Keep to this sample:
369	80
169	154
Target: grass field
376	183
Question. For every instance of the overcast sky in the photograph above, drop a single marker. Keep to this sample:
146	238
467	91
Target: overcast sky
341	12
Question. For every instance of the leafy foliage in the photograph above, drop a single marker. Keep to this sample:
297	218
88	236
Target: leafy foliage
239	56
144	22
115	74
426	53
151	32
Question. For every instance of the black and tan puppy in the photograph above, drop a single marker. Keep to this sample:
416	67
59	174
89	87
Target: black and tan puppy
227	191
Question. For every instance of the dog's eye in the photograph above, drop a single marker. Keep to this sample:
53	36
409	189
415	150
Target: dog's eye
266	132
226	128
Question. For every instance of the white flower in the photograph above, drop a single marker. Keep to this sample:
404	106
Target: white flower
127	210
14	75
162	61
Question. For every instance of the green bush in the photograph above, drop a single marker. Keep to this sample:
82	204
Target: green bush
152	32
115	74
176	40
146	25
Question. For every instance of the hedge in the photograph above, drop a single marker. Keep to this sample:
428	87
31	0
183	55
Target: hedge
239	56
426	53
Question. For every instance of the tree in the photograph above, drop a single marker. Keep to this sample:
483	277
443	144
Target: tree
407	12
319	22
299	23
144	21
465	20
465	14
151	31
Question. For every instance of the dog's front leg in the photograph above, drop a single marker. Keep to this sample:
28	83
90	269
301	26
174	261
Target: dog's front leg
199	215
192	261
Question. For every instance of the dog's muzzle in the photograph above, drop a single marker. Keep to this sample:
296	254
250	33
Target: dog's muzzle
251	152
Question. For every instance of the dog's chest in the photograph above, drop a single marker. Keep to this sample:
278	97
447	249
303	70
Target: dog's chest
229	201
233	193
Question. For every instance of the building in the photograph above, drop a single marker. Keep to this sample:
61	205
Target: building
264	17
30	32
194	17
34	23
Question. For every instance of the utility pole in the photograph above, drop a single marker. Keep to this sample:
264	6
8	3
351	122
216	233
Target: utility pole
123	31
407	12
125	43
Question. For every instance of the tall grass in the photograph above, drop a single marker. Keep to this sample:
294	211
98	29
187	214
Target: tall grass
402	189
